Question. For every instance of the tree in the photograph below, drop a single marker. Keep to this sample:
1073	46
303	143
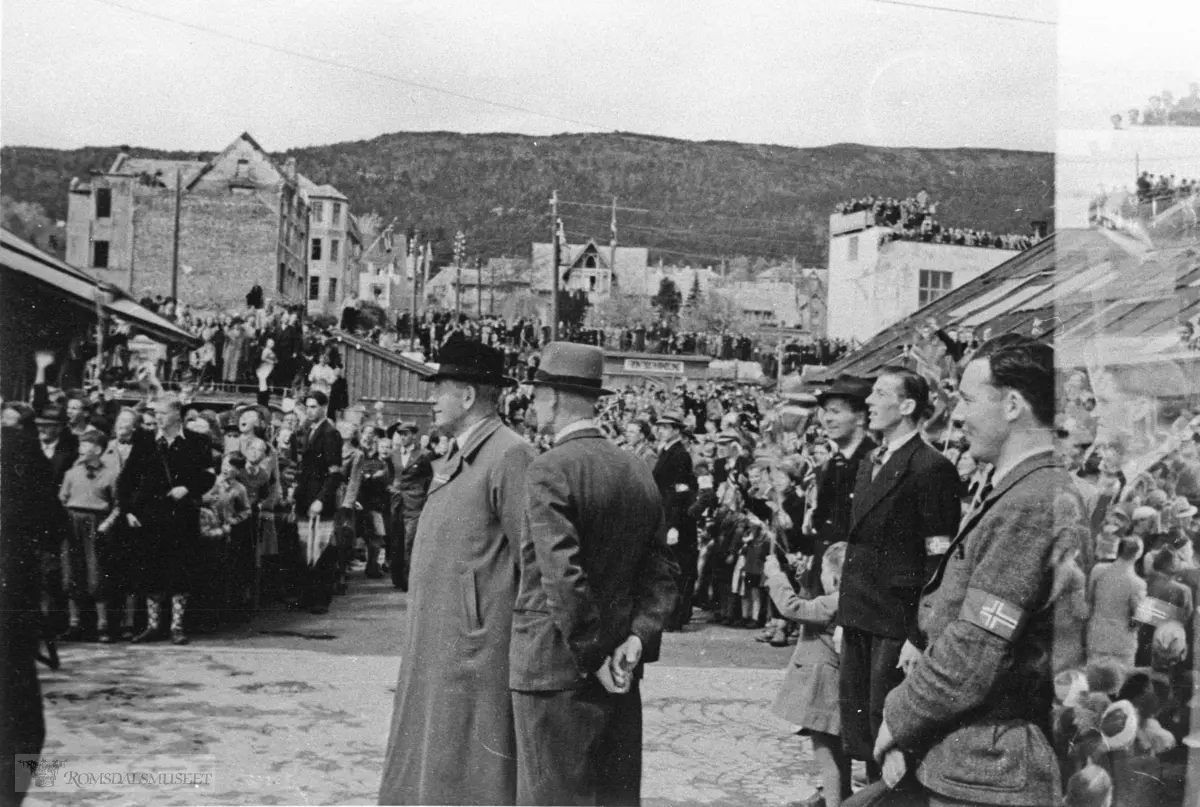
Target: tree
572	307
668	300
694	295
622	311
714	313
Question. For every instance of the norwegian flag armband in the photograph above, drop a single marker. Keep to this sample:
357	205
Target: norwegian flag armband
996	615
937	545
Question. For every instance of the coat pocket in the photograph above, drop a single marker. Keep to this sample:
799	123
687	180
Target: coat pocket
470	600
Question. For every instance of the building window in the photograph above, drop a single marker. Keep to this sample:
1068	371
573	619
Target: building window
281	279
103	203
336	220
100	254
314	288
333	289
592	283
243	169
933	285
316	249
318	211
334	244
853	248
589	262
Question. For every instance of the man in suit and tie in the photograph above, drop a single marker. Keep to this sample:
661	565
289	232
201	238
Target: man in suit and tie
906	509
316	504
972	717
677	486
452	740
597	584
413	471
844	418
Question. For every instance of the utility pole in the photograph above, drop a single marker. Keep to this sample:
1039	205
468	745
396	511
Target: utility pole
554	269
460	244
612	253
479	286
492	290
414	245
175	240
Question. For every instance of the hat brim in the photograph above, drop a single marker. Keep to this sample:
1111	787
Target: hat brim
670	422
471	378
40	421
594	392
826	397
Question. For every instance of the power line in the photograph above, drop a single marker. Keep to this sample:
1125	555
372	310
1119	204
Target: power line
992	15
353	68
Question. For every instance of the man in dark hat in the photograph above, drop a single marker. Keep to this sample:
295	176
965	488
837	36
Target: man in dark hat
844	418
59	444
451	740
677	486
413	468
597	585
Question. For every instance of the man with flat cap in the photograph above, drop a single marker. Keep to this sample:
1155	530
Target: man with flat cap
451	740
413	467
597	584
677	486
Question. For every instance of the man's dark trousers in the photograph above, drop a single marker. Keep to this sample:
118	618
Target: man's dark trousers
868	674
585	746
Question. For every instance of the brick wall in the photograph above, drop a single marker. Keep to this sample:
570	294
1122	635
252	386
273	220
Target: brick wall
228	240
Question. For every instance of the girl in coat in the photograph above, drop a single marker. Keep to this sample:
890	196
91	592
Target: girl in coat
808	697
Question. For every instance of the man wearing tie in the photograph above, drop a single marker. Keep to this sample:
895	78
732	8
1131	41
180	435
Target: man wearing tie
413	468
316	503
905	511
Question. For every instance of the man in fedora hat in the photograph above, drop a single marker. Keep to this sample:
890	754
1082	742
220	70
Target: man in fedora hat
597	584
451	740
677	485
413	467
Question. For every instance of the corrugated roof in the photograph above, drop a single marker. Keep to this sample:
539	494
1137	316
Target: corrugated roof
19	255
1079	283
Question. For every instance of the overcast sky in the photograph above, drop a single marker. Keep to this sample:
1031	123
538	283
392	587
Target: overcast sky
793	72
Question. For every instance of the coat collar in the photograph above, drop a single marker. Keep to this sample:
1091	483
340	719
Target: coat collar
1043	459
444	470
889	477
585	431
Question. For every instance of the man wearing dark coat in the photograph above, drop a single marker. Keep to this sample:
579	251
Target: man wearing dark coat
597	584
844	418
27	494
971	720
452	739
159	492
906	509
316	504
413	467
677	487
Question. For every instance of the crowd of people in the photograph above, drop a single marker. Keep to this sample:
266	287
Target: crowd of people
813	521
1165	110
1165	188
912	219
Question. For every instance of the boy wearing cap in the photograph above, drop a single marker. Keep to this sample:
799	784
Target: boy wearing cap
88	491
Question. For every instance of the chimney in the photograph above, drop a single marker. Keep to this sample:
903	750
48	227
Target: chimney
1039	227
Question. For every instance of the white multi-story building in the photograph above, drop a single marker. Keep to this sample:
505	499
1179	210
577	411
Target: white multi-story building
875	282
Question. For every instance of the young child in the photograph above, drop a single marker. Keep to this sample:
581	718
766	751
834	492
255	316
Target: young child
809	694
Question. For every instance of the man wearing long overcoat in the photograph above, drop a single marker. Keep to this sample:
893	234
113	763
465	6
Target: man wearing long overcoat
597	584
452	738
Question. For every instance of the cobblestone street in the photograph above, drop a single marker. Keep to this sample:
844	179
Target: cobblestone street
295	709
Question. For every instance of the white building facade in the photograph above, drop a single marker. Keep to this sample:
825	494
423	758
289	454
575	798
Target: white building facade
875	282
